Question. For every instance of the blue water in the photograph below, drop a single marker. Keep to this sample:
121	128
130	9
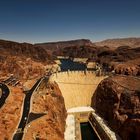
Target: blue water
67	64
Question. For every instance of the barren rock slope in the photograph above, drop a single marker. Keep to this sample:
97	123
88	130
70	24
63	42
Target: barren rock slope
118	102
52	125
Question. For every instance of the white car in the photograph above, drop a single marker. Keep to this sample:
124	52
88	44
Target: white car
25	118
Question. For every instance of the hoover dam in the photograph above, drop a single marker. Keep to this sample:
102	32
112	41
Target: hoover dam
77	87
78	105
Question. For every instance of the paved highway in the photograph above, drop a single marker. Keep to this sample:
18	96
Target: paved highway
5	93
26	110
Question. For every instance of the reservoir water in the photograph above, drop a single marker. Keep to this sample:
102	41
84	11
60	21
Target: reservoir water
67	64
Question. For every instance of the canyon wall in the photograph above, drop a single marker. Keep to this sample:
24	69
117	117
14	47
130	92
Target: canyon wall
48	104
117	100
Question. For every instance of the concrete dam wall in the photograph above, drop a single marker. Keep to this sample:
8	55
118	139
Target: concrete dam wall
77	87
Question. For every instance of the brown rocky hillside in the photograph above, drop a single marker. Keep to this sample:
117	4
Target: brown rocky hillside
117	101
9	48
132	42
52	125
105	54
24	60
57	48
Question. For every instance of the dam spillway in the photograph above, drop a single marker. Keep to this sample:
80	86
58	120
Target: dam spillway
77	87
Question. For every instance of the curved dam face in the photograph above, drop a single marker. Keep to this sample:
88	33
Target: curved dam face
77	87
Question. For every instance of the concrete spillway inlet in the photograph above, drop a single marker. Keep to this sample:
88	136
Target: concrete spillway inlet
77	87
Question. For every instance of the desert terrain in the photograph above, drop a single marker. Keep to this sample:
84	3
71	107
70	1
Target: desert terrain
25	63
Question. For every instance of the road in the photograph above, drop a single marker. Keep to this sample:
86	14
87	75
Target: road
26	110
13	81
5	93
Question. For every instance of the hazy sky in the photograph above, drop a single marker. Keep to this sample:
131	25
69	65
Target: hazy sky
53	20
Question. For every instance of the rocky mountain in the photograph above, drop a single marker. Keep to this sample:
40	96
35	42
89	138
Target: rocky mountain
132	42
57	48
124	59
9	48
117	42
104	54
117	101
63	44
110	58
24	60
131	67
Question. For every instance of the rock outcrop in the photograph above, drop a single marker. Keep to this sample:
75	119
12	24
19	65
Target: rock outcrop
23	70
128	68
10	113
118	102
51	125
124	60
24	60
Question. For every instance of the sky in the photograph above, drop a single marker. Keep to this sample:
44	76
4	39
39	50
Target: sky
54	20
